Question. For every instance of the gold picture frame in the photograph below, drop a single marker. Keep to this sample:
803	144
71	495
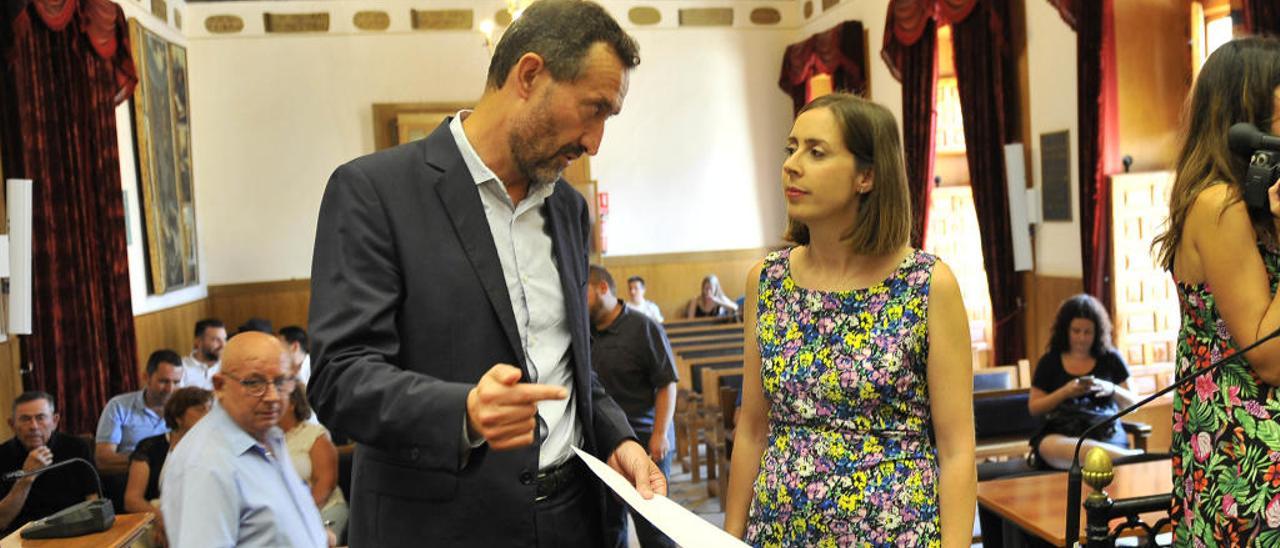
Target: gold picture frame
163	150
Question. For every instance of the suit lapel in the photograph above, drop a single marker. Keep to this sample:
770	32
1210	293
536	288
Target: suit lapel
569	254
461	198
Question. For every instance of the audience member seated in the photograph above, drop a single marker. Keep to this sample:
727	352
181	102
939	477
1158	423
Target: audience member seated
636	300
711	301
142	493
199	366
315	458
261	325
132	417
1079	381
230	482
295	340
38	443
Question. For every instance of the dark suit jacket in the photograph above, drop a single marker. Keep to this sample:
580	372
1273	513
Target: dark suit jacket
409	308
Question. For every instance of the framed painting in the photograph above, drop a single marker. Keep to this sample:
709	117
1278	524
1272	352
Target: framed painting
162	129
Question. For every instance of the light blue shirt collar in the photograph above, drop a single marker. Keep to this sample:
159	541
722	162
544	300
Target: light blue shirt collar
480	173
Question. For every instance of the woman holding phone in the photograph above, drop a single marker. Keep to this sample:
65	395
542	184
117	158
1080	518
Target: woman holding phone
1079	381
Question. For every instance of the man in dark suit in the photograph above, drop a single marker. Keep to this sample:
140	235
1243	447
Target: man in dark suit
448	311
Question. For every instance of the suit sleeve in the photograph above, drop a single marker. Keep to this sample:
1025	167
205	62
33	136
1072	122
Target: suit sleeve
611	426
356	290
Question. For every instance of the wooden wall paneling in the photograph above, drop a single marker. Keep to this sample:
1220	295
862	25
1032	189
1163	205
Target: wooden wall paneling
1045	294
671	280
1153	77
169	328
284	302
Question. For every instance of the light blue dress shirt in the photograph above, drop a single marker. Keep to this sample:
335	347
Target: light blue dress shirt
220	487
525	250
126	421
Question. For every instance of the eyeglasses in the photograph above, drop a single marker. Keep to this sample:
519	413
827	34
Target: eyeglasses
257	387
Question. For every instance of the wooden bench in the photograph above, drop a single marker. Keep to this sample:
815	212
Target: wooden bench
685	368
709	350
706	339
696	322
714	379
705	330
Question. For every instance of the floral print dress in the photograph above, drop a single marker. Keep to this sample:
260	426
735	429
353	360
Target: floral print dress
849	461
1226	439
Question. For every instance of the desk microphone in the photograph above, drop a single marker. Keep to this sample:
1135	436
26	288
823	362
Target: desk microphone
90	516
19	474
1074	476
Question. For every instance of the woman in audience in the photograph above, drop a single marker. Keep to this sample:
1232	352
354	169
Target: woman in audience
862	350
711	301
315	458
1080	380
142	493
1225	261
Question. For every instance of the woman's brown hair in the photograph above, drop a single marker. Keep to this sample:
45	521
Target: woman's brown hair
183	399
301	409
1236	84
870	133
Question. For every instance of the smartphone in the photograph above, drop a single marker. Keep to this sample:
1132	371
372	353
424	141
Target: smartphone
1085	379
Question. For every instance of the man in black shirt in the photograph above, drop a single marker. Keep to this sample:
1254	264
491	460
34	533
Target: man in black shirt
631	355
37	443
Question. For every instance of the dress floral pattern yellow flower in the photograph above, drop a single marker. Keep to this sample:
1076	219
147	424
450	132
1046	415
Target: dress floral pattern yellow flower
849	460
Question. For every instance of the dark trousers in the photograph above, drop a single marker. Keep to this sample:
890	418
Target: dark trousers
571	517
615	515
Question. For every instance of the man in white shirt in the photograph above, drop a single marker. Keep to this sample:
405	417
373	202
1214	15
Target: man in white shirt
295	340
636	300
202	363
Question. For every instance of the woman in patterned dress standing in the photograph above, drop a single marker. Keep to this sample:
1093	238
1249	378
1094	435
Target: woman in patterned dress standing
1225	263
862	350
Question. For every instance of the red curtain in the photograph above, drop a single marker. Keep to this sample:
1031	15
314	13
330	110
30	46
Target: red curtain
982	60
1095	51
67	67
989	104
916	66
1262	17
838	51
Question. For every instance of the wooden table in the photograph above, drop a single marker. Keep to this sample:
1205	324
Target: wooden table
127	528
1038	504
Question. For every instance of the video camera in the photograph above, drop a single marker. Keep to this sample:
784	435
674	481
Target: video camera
1263	152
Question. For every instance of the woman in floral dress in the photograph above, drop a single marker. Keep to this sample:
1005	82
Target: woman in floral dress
1224	260
862	350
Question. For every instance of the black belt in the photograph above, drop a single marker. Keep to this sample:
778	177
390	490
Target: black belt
557	479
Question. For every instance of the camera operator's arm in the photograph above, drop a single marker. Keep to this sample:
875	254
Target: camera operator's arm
1225	244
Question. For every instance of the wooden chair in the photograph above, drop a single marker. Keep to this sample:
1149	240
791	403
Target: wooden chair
687	404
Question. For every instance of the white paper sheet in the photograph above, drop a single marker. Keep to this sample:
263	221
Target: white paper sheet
683	526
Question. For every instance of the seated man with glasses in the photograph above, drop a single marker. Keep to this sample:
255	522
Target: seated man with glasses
230	482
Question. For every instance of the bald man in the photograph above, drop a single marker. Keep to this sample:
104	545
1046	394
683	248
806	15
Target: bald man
230	482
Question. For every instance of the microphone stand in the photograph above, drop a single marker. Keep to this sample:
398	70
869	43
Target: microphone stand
1074	475
19	474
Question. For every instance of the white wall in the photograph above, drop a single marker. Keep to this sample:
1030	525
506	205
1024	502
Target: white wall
695	160
691	164
1051	61
142	301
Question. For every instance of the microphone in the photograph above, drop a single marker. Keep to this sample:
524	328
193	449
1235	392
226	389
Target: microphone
1244	138
1074	475
19	474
